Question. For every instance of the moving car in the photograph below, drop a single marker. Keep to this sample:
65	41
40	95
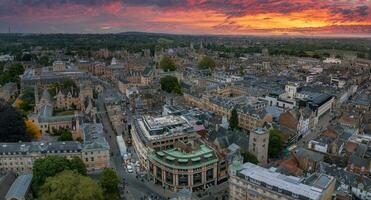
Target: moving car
130	168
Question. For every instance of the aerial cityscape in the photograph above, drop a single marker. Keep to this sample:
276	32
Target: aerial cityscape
185	100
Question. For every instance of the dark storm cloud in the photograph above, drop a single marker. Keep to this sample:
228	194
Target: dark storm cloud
363	10
349	14
230	8
50	3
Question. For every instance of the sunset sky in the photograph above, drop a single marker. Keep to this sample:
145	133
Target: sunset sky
228	17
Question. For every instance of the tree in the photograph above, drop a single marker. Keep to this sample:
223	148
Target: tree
27	99
167	64
12	125
316	56
233	120
65	135
170	84
50	166
77	164
248	157
361	55
44	61
70	185
275	142
109	182
68	83
16	69
206	63
11	74
32	129
27	57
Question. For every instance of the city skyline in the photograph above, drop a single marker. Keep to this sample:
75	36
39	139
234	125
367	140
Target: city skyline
255	17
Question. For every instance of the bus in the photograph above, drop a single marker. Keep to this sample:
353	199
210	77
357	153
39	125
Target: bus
122	147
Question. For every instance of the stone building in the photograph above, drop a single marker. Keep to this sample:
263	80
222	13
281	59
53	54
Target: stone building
74	98
45	117
94	151
67	99
189	165
249	181
251	111
258	144
59	66
9	91
296	123
158	133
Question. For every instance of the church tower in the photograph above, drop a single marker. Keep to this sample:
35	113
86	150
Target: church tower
258	144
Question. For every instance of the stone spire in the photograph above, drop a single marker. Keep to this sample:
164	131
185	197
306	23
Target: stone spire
36	94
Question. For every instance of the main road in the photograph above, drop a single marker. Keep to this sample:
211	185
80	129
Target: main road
135	188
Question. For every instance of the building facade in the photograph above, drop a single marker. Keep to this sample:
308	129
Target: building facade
94	151
251	111
258	144
192	165
250	181
159	133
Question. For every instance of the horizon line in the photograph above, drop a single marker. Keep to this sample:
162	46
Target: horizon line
195	35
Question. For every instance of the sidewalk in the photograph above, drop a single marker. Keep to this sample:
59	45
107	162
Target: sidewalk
215	192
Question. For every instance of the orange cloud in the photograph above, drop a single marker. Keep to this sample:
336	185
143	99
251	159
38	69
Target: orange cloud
191	16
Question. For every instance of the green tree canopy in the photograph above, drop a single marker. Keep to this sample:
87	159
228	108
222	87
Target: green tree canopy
12	125
109	182
248	157
233	120
70	185
361	55
65	84
68	83
77	164
275	142
44	61
52	165
167	64
28	99
12	74
65	135
170	84
206	63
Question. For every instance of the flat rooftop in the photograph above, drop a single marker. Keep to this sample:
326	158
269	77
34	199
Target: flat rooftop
154	123
152	128
312	188
178	159
203	150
